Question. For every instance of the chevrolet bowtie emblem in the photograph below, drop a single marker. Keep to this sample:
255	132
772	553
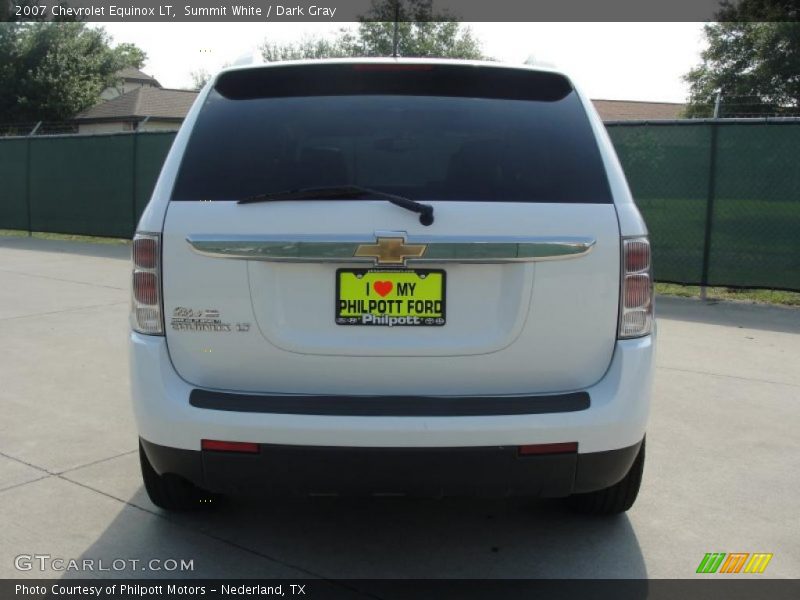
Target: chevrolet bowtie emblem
390	251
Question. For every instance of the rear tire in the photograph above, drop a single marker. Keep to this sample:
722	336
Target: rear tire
615	499
172	492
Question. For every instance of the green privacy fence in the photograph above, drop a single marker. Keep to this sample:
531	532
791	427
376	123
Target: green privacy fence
82	184
721	198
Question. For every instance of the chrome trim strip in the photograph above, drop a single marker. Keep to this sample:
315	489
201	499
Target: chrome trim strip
342	248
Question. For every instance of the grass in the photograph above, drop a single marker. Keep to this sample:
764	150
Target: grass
67	237
756	296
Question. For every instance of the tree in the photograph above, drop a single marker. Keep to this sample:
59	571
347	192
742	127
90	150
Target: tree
51	71
421	32
443	39
752	58
309	47
130	55
199	77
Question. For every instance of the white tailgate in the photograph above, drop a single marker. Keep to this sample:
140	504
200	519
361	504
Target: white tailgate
520	327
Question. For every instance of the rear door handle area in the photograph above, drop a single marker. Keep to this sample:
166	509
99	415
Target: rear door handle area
390	248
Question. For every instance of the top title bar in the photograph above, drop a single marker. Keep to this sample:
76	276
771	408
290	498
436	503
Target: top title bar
380	10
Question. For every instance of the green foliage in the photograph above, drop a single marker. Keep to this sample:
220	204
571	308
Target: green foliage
421	32
52	71
447	39
130	55
309	47
752	61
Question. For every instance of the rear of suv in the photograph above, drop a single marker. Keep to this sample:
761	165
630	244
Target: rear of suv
392	277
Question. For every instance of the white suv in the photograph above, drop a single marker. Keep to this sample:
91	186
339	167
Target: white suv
392	276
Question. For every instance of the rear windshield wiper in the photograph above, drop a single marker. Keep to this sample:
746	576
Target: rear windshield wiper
345	192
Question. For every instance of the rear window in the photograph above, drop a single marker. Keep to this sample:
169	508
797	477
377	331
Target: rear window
426	132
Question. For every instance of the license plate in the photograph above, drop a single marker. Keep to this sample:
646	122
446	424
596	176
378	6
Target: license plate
390	298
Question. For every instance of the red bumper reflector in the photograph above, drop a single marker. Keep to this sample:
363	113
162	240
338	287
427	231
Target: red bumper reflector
219	446
561	448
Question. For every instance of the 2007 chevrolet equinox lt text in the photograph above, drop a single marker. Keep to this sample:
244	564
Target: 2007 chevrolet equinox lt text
392	276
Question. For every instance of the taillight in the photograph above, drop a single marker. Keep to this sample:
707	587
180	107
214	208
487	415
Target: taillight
145	252
636	293
146	310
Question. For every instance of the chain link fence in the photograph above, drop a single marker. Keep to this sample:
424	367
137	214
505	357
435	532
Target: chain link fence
38	128
721	197
731	107
79	184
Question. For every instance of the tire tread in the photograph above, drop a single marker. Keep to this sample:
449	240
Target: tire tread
171	492
615	499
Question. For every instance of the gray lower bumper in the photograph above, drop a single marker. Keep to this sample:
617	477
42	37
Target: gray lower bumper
483	471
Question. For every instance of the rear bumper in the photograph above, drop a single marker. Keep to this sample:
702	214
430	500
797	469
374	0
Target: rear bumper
391	406
304	470
615	418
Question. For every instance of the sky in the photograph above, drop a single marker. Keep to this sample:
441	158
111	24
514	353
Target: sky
616	61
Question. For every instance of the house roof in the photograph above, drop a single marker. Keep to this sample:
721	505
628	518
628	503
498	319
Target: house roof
160	103
632	110
156	103
134	74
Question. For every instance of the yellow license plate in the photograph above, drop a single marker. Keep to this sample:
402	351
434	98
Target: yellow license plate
390	298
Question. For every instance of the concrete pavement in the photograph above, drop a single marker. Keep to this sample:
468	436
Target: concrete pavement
722	472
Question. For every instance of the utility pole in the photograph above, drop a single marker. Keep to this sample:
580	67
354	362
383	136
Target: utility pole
396	28
710	200
28	175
